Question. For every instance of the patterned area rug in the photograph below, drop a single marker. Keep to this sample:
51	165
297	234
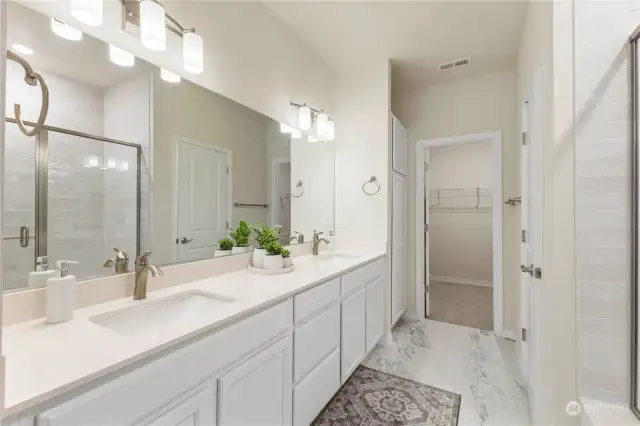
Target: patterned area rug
373	398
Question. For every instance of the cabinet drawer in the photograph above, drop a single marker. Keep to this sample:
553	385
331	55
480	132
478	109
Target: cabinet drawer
144	390
313	301
314	340
356	279
315	391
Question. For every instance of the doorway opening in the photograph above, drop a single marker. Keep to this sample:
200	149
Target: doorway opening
281	196
459	207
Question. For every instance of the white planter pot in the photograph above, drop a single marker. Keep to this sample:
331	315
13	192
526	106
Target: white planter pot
258	257
272	261
221	253
239	250
287	262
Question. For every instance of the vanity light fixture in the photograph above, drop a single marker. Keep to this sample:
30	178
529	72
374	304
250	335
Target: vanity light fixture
22	49
92	161
124	166
87	11
121	57
111	163
192	51
304	117
168	76
65	31
329	133
153	33
321	123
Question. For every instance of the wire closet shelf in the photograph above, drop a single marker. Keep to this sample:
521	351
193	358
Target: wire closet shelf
478	199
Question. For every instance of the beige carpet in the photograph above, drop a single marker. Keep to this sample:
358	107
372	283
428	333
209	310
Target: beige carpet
466	305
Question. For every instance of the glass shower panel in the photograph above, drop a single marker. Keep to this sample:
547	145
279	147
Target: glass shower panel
92	201
19	207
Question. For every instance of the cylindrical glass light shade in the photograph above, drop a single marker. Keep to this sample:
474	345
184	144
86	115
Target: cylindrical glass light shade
65	31
304	118
192	52
329	134
153	33
87	11
323	119
169	77
120	57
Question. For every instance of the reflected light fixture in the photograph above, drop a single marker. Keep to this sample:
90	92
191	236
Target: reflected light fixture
120	57
312	139
153	33
192	51
111	163
22	49
322	121
65	31
87	11
124	166
92	161
304	117
296	134
168	76
285	128
329	134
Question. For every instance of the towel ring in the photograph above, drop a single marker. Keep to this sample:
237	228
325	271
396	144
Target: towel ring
298	185
372	180
32	78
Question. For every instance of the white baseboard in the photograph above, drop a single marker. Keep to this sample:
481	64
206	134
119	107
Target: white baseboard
451	280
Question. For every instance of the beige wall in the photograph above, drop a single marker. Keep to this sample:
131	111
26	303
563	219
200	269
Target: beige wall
461	240
473	105
192	112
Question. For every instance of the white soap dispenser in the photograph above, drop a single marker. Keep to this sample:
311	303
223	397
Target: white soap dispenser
39	277
61	294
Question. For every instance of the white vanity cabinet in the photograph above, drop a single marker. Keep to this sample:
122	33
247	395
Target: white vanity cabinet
375	313
196	408
258	390
353	331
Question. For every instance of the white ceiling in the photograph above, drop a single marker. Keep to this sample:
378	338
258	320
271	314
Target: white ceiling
415	35
86	60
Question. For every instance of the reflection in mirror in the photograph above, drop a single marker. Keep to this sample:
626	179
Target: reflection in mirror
135	158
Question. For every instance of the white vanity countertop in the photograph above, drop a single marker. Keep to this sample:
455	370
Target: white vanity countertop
44	361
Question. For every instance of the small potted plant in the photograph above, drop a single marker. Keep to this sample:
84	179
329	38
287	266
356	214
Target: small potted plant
224	248
264	237
286	258
273	258
241	237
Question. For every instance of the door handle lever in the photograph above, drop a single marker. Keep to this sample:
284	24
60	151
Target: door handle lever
184	240
527	269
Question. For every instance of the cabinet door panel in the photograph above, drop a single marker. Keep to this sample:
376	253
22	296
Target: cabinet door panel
353	332
398	249
375	313
315	391
258	390
198	408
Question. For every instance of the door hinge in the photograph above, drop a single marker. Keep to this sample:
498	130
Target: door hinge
426	227
426	167
537	273
177	241
227	169
227	225
524	138
426	288
524	335
523	235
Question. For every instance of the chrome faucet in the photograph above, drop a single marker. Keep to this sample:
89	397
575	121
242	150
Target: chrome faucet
316	241
142	275
297	238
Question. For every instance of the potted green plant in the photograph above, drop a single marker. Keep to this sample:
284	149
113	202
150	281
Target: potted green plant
241	237
264	237
286	258
273	258
224	247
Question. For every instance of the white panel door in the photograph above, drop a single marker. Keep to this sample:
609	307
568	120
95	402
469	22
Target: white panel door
375	313
526	255
426	203
400	147
202	200
399	248
198	408
259	390
353	343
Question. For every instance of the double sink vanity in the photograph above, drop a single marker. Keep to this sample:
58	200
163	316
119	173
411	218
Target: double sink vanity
234	349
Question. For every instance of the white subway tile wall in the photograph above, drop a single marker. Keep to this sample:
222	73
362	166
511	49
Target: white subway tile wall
90	209
602	29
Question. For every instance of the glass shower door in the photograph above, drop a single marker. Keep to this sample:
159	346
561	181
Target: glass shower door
19	233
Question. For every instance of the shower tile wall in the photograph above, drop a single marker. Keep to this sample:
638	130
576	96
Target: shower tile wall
78	196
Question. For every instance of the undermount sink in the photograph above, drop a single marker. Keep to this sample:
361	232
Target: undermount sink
329	255
152	319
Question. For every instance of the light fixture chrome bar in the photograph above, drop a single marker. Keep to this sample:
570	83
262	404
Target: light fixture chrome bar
315	111
131	13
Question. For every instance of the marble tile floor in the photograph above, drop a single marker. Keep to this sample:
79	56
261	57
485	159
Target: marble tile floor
474	363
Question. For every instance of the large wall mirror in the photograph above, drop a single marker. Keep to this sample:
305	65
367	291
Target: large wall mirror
134	158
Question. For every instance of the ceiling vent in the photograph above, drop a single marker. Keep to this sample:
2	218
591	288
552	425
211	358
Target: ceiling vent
455	64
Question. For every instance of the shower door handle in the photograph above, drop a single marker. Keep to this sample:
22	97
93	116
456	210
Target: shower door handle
24	236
